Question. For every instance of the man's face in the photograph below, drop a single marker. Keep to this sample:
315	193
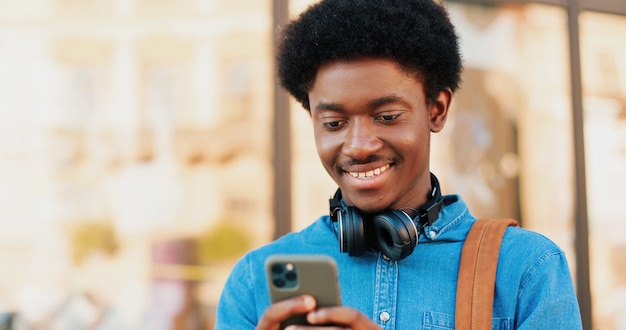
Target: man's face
372	127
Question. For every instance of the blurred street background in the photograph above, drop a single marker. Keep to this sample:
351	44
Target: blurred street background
139	151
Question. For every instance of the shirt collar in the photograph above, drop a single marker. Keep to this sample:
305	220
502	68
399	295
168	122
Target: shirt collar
451	224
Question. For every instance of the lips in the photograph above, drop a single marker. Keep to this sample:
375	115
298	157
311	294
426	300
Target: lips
370	173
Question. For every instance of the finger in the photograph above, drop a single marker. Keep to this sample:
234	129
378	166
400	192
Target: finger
322	327
281	310
342	316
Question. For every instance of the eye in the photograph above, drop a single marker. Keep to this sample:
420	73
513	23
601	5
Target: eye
332	124
387	118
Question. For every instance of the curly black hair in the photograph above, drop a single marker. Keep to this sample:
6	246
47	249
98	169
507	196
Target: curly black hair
417	34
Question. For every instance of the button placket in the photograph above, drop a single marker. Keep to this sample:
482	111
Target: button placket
385	292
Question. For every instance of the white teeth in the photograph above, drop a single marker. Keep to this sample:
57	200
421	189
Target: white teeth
369	174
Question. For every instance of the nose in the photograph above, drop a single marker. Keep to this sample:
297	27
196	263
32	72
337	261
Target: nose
361	140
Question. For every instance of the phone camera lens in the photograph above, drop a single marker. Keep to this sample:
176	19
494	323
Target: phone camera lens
277	269
284	275
290	276
279	282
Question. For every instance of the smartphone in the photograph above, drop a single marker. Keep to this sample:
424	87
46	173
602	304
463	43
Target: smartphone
291	275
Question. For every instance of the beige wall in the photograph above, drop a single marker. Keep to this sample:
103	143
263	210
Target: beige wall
604	83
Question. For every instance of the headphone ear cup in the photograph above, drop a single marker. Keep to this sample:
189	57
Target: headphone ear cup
352	237
396	234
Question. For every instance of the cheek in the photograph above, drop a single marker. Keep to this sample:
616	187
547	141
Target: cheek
326	146
409	136
413	144
327	153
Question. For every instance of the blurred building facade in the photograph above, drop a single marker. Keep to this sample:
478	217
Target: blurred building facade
136	150
134	156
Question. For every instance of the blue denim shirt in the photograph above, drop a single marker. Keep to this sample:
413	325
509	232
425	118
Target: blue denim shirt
533	288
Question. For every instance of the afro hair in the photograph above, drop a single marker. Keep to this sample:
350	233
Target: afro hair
416	34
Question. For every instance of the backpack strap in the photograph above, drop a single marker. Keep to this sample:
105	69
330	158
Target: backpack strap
477	273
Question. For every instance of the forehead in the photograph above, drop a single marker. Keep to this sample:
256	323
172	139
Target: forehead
363	65
345	81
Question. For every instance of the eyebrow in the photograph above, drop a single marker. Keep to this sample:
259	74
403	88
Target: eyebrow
384	100
327	106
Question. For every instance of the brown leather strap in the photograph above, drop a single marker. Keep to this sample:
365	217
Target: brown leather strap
477	273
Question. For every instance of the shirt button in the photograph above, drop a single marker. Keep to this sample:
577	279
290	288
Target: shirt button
432	234
384	316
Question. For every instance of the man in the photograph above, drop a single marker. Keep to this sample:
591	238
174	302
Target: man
377	77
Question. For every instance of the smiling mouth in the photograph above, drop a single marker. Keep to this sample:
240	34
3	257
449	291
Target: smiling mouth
369	174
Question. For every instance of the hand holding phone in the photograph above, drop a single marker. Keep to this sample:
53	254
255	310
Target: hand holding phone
297	274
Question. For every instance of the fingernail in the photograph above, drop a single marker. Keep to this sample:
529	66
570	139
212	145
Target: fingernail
309	301
311	317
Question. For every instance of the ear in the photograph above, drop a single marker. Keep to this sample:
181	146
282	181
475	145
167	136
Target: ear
439	110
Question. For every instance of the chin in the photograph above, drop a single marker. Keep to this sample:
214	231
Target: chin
369	206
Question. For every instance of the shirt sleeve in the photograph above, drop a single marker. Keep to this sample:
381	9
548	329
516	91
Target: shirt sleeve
236	308
547	299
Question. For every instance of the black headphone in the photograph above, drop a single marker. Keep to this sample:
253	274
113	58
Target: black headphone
393	232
